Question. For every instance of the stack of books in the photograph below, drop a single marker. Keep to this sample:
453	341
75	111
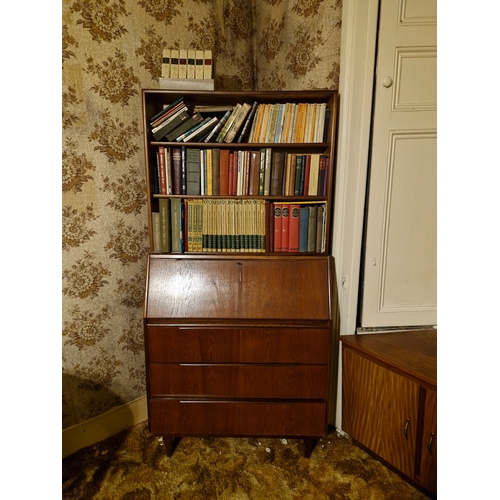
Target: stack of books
187	69
175	123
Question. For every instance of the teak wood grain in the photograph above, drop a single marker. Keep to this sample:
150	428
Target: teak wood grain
173	344
239	288
389	399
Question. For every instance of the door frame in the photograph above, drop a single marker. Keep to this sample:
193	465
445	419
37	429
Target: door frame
357	73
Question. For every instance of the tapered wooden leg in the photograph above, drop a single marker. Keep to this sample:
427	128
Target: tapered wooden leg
309	445
170	444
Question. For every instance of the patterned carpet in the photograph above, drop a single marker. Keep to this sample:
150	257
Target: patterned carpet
132	465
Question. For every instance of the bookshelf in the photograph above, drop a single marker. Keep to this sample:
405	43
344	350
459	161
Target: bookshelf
238	315
305	180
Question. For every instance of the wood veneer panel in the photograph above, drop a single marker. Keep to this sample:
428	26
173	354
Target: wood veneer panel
412	352
216	418
259	288
237	345
376	403
428	469
239	381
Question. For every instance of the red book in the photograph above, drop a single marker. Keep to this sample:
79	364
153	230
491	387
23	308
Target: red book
230	174
176	170
285	227
224	172
234	185
162	169
277	227
293	228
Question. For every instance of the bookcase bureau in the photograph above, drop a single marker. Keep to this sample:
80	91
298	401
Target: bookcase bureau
238	343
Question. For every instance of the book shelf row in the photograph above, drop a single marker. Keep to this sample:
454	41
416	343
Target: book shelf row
238	225
243	122
196	171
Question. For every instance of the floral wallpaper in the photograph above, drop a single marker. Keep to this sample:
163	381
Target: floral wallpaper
111	49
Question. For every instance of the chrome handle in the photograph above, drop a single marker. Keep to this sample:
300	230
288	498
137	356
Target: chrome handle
405	432
429	443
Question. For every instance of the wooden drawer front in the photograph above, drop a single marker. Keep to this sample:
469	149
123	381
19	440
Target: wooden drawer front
239	381
218	418
238	345
289	288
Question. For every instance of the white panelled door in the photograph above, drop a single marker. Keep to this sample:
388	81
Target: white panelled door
399	269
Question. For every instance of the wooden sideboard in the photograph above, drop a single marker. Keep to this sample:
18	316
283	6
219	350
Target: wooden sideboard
389	400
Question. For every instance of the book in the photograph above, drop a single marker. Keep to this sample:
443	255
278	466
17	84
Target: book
174	63
168	168
209	170
228	123
204	129
156	227
277	227
183	127
199	63
314	175
293	227
321	174
176	160
307	169
311	228
176	225
165	225
207	64
183	170
162	169
326	125
215	153
237	122
191	59
193	176
303	227
170	124
215	131
190	131
182	63
253	186
166	112
298	175
285	222
167	117
289	174
245	130
230	174
262	168
165	64
156	175
257	123
277	169
320	227
264	124
203	172
267	171
224	172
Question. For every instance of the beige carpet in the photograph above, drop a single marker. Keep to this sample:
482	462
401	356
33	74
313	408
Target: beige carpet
132	465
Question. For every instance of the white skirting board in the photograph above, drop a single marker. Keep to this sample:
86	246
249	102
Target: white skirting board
103	426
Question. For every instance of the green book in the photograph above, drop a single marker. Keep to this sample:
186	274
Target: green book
165	221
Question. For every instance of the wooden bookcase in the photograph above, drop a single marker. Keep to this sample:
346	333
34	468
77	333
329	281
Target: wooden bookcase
238	343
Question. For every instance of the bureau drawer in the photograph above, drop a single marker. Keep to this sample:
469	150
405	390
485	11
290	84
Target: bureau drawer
239	381
171	344
236	418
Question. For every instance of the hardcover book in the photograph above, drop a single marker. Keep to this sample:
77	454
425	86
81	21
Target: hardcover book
165	64
183	127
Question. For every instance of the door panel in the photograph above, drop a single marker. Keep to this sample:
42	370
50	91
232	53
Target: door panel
400	267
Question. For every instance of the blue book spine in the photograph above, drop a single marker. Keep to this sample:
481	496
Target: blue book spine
303	228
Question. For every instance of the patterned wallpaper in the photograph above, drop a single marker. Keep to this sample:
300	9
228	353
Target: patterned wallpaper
111	50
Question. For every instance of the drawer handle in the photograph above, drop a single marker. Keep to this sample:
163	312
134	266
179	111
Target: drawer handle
405	432
429	443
